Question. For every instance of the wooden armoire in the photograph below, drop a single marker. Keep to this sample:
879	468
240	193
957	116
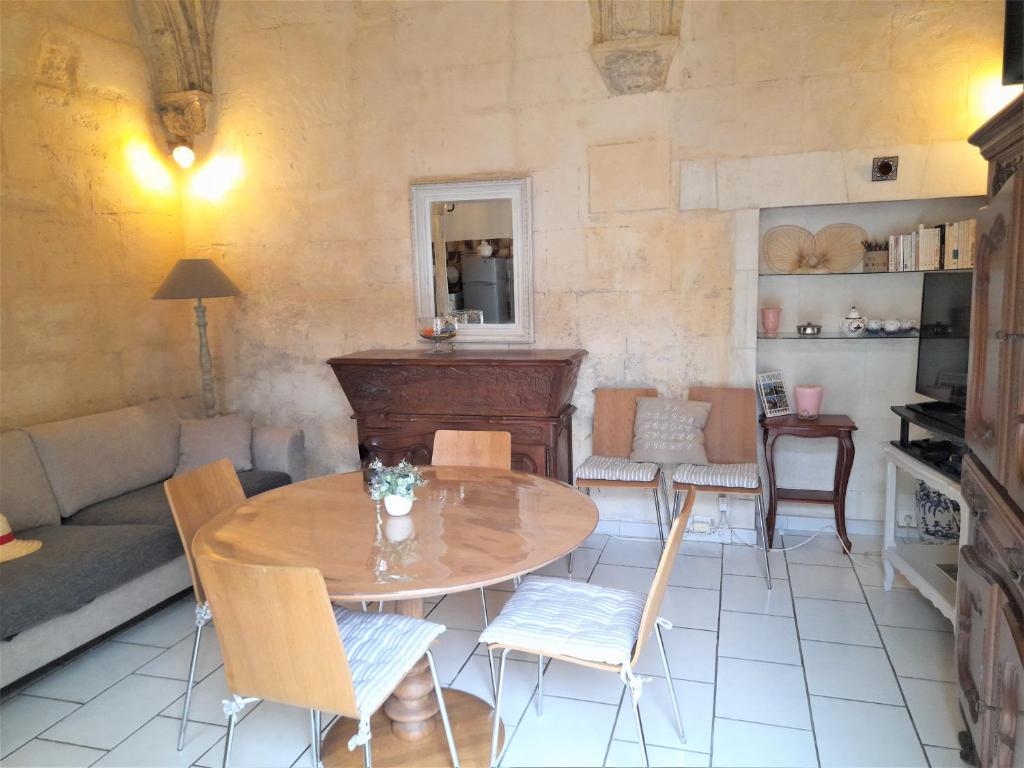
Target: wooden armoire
990	581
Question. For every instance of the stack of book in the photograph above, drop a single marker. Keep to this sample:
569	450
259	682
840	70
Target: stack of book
946	246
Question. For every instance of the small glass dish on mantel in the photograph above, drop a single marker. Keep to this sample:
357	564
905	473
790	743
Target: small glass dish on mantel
440	330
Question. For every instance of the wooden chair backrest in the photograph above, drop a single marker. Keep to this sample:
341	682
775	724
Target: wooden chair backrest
197	496
730	436
665	565
471	448
614	414
278	635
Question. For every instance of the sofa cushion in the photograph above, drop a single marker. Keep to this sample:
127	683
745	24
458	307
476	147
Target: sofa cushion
76	564
98	457
148	506
25	495
260	480
204	441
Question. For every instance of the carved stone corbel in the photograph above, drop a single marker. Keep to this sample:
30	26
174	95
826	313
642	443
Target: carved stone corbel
634	42
177	37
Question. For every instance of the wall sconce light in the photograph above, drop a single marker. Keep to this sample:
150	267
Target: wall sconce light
183	154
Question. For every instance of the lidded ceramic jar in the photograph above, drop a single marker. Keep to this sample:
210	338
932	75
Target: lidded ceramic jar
853	324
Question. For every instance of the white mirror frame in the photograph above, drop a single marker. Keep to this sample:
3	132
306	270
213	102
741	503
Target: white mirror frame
422	196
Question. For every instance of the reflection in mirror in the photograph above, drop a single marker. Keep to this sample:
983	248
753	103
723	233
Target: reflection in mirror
473	259
473	248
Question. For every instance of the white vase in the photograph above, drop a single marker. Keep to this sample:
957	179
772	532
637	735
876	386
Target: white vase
397	505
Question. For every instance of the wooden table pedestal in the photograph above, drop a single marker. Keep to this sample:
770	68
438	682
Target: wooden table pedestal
407	730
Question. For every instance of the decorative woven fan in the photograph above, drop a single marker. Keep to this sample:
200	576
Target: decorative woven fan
841	246
789	249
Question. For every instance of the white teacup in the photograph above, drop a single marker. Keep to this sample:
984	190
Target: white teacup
891	326
874	326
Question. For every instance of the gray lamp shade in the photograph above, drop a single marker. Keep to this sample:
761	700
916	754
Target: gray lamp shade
196	279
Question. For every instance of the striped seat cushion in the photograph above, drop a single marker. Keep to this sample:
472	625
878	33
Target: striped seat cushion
381	648
613	468
556	617
724	475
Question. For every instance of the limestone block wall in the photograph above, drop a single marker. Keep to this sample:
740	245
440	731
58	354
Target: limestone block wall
90	219
645	234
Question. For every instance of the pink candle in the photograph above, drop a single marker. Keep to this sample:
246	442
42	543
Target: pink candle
808	400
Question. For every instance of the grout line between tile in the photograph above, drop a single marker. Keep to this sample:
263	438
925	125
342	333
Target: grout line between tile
803	668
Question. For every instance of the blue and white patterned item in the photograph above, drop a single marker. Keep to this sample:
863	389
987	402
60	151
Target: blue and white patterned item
938	516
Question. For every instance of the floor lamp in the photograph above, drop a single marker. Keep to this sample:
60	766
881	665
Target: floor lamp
199	279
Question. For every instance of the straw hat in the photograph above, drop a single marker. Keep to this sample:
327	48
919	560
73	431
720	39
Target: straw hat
12	548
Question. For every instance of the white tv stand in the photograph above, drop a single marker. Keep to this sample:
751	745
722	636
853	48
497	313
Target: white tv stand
919	563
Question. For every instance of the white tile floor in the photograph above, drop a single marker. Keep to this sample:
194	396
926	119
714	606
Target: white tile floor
826	669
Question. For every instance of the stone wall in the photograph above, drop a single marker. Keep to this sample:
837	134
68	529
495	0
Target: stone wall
91	219
338	107
645	206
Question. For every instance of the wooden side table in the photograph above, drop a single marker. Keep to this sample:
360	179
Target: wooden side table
838	426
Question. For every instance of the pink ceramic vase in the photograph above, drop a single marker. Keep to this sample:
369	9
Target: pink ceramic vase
770	320
808	400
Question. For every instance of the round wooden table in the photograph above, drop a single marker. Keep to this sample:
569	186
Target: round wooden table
469	528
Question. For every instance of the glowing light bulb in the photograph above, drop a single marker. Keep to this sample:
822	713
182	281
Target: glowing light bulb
183	155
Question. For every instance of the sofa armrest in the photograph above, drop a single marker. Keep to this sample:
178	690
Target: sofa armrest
281	449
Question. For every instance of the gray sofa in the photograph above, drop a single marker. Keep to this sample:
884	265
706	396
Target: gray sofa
91	489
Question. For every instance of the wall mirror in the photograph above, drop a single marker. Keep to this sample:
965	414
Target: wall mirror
473	251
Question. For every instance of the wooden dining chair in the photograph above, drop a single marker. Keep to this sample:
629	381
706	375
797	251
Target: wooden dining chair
283	641
609	465
589	625
195	497
471	448
730	439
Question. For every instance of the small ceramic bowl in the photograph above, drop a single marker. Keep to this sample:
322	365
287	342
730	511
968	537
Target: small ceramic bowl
808	329
891	326
874	327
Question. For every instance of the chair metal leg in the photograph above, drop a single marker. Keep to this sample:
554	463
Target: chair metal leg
759	513
675	505
570	563
314	744
363	603
496	726
483	604
201	622
444	711
540	686
367	757
671	685
657	513
494	679
227	742
639	725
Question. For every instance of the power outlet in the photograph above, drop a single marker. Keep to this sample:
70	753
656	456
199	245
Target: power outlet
723	505
907	520
699	524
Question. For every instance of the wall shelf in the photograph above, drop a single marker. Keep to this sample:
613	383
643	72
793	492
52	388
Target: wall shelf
836	336
858	274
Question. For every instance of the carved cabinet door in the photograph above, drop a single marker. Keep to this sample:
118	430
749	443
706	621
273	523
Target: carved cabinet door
1005	732
978	599
992	332
1011	472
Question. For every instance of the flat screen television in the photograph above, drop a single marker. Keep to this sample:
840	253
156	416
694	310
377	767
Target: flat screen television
944	345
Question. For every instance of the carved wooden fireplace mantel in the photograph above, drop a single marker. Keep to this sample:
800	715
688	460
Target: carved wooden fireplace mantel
400	398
